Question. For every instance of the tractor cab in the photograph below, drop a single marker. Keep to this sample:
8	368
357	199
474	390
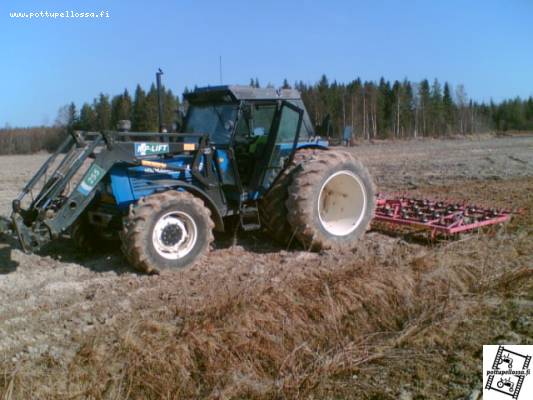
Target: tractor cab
254	131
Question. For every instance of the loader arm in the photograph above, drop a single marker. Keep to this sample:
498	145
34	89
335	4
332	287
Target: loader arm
64	195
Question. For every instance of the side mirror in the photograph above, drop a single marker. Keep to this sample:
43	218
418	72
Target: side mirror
259	131
229	125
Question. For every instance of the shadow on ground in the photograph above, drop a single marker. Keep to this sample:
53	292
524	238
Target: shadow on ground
7	265
109	257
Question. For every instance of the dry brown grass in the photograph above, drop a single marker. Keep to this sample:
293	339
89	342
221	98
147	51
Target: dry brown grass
30	140
336	326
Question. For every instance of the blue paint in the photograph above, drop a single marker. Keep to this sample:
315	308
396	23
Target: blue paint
129	184
120	185
225	172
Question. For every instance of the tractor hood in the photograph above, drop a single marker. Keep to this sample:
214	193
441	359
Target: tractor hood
131	183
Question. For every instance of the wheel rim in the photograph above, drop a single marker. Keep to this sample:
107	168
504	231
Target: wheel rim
342	203
174	235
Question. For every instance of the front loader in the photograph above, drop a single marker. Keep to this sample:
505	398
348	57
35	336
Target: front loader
242	152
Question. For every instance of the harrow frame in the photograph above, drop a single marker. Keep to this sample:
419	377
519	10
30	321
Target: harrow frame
437	217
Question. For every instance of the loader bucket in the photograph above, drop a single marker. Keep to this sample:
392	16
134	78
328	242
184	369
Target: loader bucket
48	190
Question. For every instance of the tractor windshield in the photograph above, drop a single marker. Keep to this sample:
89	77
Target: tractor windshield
217	120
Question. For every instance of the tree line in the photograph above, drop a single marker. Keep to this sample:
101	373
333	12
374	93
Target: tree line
30	140
104	112
408	109
369	109
366	109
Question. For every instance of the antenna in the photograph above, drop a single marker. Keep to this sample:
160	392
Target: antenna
220	68
159	99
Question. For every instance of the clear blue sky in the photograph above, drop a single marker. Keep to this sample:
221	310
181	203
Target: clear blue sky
485	44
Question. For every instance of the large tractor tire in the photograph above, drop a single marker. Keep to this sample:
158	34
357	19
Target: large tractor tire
331	201
168	230
273	212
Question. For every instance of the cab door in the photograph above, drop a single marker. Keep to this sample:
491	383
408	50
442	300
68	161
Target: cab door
280	146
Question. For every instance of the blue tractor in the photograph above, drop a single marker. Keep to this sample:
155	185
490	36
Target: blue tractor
241	152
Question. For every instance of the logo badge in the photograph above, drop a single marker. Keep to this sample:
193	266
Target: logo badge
506	372
148	149
91	178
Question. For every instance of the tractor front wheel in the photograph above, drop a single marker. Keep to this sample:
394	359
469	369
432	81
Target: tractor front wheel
85	236
168	230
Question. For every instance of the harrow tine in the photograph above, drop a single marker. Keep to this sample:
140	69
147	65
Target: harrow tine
440	217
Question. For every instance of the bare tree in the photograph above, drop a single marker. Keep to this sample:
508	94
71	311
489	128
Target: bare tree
461	99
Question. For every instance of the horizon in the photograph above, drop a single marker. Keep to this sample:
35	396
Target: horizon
484	46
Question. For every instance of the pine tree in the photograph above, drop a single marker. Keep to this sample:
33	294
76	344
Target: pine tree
152	113
87	120
425	106
436	114
170	108
120	108
354	95
397	107
286	84
321	102
407	118
529	113
72	120
385	101
448	109
103	112
139	118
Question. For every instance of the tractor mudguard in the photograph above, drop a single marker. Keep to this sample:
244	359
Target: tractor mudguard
207	199
320	145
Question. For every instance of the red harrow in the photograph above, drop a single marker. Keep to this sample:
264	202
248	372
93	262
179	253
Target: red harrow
436	217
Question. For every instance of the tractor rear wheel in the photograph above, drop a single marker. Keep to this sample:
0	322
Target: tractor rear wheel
168	230
273	212
330	201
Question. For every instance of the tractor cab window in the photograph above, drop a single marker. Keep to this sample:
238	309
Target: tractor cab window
251	136
216	120
288	126
289	123
255	123
263	117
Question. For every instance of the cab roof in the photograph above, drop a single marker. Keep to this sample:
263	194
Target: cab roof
238	93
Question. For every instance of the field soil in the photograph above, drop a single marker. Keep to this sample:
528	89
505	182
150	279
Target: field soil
397	317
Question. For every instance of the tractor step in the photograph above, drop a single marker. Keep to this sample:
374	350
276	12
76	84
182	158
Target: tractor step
249	218
250	227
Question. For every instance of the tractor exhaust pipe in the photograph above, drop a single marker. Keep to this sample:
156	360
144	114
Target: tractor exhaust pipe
159	101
